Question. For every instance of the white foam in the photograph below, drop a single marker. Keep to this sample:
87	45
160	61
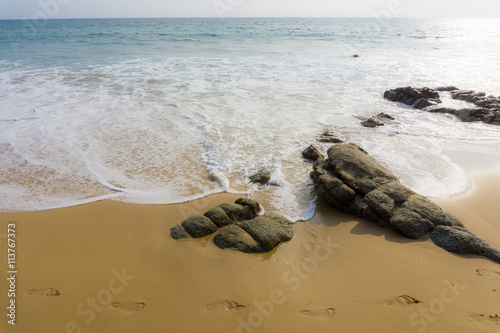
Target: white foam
168	129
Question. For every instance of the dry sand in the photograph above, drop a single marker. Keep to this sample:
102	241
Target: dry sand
112	267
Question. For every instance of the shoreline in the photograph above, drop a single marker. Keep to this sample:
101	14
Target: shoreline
110	266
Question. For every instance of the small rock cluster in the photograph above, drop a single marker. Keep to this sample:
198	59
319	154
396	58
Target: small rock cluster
418	98
241	227
485	109
352	181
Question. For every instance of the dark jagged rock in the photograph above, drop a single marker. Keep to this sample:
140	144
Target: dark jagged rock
383	115
461	241
355	56
241	229
330	137
261	177
353	181
378	120
313	153
447	88
419	98
485	109
199	226
372	122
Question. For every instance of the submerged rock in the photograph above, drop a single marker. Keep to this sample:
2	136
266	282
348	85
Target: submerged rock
261	177
241	229
353	181
461	241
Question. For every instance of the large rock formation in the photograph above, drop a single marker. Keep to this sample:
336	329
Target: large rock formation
242	228
485	109
461	241
352	181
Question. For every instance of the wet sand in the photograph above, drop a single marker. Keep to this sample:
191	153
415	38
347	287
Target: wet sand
112	267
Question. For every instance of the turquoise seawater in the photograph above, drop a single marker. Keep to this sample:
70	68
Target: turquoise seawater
167	110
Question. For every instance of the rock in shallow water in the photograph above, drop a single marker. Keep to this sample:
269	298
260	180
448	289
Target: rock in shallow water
262	176
313	153
485	108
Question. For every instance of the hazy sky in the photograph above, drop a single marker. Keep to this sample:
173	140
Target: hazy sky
12	9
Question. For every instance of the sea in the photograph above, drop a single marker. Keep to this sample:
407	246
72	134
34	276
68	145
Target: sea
161	111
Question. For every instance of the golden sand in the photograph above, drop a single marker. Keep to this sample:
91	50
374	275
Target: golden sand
112	267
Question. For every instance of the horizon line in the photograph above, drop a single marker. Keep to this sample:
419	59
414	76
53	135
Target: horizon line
240	17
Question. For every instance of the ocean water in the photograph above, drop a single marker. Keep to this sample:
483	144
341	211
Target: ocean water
167	110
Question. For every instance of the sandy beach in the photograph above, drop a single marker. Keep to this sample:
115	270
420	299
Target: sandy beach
110	266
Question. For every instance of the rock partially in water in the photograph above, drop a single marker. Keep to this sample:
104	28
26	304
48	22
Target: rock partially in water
485	108
461	241
313	153
353	181
447	88
372	122
261	177
378	120
330	137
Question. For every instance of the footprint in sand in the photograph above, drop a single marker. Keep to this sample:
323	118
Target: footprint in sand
403	300
475	318
495	319
227	305
47	292
478	318
487	273
128	306
319	313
